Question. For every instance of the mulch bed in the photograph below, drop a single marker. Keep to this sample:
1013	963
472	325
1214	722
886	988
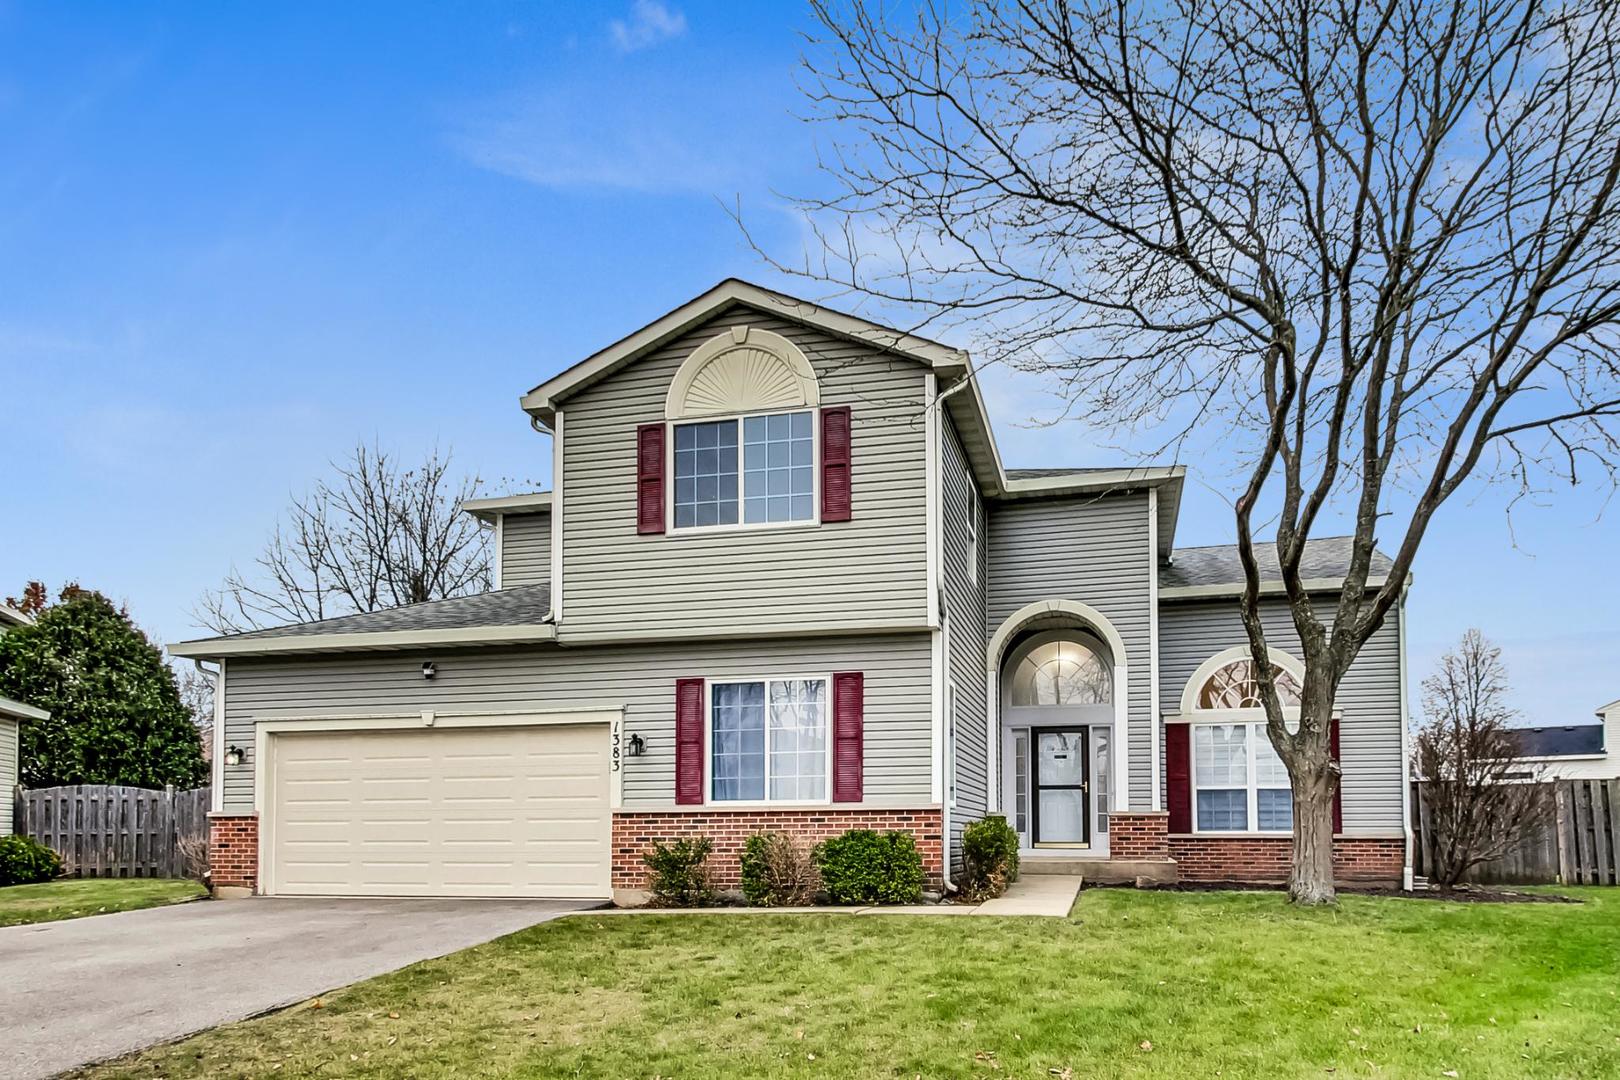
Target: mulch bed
1468	894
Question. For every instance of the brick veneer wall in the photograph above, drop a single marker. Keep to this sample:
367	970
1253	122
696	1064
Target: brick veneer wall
1356	859
1138	836
233	852
729	829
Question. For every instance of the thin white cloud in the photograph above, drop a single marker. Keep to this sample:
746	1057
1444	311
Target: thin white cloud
558	142
650	23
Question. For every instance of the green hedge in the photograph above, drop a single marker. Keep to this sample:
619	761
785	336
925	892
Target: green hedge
864	867
25	861
680	872
989	858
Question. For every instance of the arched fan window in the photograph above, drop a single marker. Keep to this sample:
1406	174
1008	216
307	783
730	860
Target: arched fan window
1236	686
1062	673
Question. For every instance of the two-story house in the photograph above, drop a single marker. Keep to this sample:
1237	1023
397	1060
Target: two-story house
782	580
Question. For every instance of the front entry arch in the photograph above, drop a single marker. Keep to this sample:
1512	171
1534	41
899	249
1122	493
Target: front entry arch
1057	708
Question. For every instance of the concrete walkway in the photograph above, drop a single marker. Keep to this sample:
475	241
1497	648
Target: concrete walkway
82	990
1042	895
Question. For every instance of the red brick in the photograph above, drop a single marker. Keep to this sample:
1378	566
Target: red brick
730	829
1264	859
233	852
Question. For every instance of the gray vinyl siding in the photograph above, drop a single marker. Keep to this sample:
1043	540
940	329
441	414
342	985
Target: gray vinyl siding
870	572
639	678
525	549
1369	698
8	773
964	602
1095	550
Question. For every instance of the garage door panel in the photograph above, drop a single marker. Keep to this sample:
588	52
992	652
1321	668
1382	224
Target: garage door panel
501	811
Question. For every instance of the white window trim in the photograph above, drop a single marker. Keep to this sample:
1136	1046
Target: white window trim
708	741
813	522
1255	720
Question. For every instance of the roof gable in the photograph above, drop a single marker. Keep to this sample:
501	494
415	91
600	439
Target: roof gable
541	402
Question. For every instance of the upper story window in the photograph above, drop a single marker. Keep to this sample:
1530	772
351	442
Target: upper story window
1062	672
1237	686
975	526
774	457
755	462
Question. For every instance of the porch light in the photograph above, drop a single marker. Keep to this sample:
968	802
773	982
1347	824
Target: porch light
638	746
233	755
429	669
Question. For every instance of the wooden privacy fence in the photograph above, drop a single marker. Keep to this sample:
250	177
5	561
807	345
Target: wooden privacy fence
1580	846
102	830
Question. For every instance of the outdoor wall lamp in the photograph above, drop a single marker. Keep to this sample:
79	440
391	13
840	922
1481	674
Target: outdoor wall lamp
233	755
429	669
638	746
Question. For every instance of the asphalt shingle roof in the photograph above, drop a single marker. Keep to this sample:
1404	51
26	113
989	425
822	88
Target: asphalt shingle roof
1560	741
1328	557
523	605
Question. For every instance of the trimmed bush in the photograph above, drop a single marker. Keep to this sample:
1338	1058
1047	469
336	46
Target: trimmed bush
777	871
680	872
25	861
864	867
989	858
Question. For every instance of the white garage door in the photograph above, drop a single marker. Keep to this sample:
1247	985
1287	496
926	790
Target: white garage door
500	811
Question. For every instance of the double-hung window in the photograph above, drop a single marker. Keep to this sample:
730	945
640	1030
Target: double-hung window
769	741
1240	783
755	470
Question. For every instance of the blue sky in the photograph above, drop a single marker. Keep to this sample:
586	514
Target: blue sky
235	239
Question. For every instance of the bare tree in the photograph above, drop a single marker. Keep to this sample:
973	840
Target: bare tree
1373	245
197	695
374	536
1481	797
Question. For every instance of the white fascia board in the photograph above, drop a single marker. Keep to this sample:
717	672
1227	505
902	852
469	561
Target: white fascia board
1267	588
16	710
1090	483
10	616
541	402
489	509
210	648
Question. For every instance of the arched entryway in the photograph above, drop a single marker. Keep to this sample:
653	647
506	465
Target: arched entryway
1058	678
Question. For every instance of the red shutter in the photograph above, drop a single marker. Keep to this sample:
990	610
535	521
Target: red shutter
835	468
689	741
849	718
1178	776
650	478
1338	791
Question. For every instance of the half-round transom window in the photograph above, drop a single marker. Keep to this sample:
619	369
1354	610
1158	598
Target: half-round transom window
1062	673
1235	686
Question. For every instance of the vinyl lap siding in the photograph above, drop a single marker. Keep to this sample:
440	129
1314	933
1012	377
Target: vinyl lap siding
965	613
640	678
8	773
1092	549
1369	698
870	571
525	549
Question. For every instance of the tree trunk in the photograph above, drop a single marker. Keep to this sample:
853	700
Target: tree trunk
1310	880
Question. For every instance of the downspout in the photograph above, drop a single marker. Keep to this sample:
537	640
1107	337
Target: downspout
1406	753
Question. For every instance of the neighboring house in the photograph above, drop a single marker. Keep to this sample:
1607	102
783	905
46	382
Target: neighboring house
1575	751
784	581
12	715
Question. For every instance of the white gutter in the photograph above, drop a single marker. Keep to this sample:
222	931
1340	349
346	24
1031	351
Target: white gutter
1267	588
212	648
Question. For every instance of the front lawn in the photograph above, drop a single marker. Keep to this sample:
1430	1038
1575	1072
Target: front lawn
1136	984
75	897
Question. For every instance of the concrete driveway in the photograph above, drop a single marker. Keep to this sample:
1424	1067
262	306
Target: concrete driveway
84	990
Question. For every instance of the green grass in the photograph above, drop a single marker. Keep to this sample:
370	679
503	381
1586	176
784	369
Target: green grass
1135	984
74	898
